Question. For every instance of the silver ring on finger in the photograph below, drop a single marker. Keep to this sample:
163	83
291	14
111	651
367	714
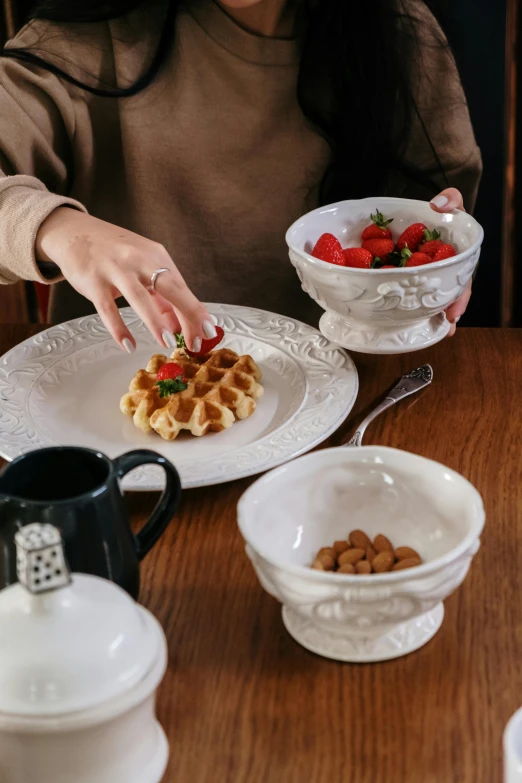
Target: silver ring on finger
154	278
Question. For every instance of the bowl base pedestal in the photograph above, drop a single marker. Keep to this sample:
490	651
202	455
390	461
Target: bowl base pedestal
355	337
401	640
158	763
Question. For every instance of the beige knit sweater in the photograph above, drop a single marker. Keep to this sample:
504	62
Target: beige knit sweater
214	160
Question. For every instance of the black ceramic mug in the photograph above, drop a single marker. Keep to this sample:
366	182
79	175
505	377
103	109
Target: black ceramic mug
77	490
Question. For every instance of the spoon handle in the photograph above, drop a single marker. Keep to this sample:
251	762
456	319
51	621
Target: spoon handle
410	383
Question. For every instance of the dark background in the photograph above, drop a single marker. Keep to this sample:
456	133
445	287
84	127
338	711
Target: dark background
476	30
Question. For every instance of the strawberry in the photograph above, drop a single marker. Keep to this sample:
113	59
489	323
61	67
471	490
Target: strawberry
432	242
388	266
378	229
169	371
171	386
206	345
414	259
170	380
329	249
411	237
357	257
445	251
379	248
419	259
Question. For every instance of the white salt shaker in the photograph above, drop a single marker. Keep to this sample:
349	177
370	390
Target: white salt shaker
80	663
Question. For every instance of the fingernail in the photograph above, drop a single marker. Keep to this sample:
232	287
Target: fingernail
168	338
128	345
439	201
457	319
196	345
209	330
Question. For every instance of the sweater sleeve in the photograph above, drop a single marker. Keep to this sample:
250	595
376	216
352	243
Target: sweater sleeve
441	135
37	124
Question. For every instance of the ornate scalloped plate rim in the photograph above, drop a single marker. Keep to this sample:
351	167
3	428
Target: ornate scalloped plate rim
142	479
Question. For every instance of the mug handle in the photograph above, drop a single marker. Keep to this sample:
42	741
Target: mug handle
167	504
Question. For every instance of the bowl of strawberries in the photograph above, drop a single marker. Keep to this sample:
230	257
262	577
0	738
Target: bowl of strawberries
384	270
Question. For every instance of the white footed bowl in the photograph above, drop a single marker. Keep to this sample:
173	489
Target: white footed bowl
384	311
513	749
287	515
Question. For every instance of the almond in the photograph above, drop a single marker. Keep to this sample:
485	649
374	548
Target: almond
327	550
340	546
347	568
351	556
370	554
403	552
359	539
363	567
408	562
383	562
327	561
382	544
318	565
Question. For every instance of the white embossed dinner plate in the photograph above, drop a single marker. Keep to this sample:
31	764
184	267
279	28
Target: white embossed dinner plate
63	387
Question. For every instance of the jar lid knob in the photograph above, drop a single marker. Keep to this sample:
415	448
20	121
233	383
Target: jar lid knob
40	559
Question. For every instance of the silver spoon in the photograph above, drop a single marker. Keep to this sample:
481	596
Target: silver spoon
411	383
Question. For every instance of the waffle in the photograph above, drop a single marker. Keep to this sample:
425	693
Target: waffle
222	387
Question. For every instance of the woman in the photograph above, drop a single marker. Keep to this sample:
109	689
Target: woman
189	135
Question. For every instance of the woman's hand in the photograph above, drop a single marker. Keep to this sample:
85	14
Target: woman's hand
446	201
102	262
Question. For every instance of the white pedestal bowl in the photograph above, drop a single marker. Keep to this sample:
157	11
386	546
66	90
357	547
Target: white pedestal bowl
383	311
287	515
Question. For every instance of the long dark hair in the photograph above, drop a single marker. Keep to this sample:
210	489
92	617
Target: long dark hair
353	86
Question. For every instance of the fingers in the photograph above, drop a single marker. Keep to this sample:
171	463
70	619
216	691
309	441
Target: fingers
166	309
447	200
195	321
159	311
191	332
127	268
144	304
110	315
457	309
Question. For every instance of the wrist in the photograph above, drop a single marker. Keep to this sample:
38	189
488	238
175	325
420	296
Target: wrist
51	234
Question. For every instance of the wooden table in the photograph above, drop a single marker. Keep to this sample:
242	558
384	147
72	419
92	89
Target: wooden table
243	703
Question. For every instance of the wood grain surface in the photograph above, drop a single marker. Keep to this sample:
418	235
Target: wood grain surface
243	703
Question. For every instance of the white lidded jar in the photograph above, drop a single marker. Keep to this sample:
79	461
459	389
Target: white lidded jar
80	663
